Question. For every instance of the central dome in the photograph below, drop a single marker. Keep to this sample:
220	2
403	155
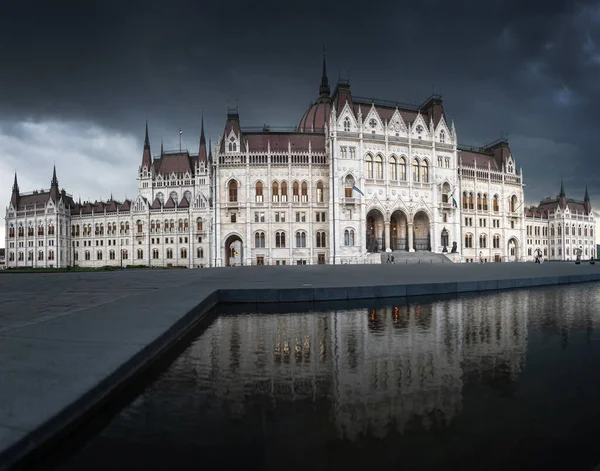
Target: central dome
315	118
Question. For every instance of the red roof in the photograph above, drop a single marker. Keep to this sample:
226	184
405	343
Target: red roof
259	142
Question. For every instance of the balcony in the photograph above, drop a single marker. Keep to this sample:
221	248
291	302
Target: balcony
350	200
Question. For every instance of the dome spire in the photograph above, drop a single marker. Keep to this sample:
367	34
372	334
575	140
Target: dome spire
324	90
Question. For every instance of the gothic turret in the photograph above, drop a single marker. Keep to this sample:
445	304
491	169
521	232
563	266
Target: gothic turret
562	197
324	90
54	191
147	155
14	199
202	157
210	156
586	202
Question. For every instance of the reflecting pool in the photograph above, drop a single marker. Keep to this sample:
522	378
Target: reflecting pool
506	380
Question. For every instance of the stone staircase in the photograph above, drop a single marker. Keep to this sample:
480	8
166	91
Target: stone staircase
403	257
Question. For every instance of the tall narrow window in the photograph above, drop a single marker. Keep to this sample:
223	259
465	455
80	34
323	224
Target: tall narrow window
393	169
259	192
275	191
233	191
320	189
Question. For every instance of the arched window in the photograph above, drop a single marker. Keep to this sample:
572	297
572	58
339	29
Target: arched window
484	202
402	169
180	225
233	191
296	192
232	144
479	202
280	239
425	171
321	243
284	191
320	191
169	253
347	124
300	239
259	240
393	169
496	204
41	256
415	170
379	167
275	191
442	136
50	228
349	237
470	200
348	186
559	229
30	229
585	231
513	203
183	252
140	254
41	228
579	231
87	255
496	241
465	200
445	192
200	252
99	255
468	241
259	192
482	241
111	254
369	162
304	188
186	225
199	224
139	227
155	254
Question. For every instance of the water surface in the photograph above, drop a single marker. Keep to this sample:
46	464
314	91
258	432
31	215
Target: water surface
505	380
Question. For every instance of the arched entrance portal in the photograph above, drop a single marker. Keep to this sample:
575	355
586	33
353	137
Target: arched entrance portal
375	241
399	231
422	239
513	249
233	251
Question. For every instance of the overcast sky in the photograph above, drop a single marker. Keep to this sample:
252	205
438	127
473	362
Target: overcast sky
78	79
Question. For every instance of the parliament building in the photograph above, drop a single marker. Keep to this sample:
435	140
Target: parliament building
355	178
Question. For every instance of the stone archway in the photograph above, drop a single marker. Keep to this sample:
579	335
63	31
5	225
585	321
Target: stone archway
513	249
421	235
233	250
399	231
375	236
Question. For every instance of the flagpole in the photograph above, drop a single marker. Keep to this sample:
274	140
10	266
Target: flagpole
180	141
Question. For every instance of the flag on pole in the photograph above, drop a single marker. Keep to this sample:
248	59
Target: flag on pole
180	131
454	203
355	188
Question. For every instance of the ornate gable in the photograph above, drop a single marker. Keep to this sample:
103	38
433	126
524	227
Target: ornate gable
442	133
397	126
373	124
347	121
419	129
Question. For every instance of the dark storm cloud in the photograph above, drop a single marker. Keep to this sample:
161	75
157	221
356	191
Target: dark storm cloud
529	69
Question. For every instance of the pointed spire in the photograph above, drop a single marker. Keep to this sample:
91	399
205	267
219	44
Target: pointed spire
324	90
147	154
54	192
54	179
210	156
202	152
562	189
15	188
162	149
585	198
146	139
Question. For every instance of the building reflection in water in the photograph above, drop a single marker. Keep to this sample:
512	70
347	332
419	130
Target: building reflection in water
381	369
332	389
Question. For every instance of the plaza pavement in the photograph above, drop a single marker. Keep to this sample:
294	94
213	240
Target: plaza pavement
68	340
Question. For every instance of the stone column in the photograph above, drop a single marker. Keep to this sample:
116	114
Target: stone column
386	230
411	247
